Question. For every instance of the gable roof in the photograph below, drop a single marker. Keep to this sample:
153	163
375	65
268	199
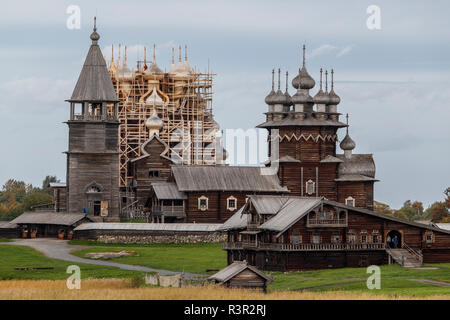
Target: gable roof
167	191
385	216
290	212
94	83
234	269
237	221
55	218
291	209
225	178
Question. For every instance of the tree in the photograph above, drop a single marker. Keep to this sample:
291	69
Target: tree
438	212
382	208
400	214
46	183
36	198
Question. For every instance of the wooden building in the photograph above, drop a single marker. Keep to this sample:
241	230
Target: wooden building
92	158
286	233
48	224
206	194
240	274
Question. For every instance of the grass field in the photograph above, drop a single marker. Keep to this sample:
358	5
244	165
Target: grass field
194	258
17	256
5	240
395	280
122	290
347	283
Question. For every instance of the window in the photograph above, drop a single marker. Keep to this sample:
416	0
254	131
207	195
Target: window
351	238
310	187
231	203
375	238
296	239
349	201
336	238
363	238
316	239
429	237
153	174
203	203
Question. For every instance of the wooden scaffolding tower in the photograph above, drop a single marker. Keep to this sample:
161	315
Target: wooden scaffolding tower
189	127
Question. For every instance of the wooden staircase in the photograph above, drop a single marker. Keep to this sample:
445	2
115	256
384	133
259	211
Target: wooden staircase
406	256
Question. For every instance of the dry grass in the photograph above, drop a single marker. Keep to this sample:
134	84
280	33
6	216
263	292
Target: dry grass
121	290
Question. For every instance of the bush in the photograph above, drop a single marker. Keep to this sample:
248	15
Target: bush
137	281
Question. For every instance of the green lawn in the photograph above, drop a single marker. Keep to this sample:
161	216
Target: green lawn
198	257
394	280
19	256
194	258
5	240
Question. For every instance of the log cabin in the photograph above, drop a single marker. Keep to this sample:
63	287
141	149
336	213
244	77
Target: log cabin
287	233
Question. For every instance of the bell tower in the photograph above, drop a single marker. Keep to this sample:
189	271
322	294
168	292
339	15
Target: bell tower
92	156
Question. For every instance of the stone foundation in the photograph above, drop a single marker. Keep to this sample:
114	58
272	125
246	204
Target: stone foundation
175	238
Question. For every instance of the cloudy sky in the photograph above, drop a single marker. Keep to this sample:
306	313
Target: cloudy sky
394	82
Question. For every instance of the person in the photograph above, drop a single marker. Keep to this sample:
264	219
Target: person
388	241
395	240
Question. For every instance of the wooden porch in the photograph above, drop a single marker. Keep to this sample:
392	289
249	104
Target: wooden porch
303	246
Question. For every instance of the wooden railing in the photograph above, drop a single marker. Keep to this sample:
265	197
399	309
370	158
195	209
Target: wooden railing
415	253
326	222
168	208
88	117
305	246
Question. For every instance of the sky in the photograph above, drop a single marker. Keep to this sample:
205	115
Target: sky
393	81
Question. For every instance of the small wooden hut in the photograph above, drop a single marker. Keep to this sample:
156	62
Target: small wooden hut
240	274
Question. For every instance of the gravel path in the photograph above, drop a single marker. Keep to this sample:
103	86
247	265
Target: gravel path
433	282
60	249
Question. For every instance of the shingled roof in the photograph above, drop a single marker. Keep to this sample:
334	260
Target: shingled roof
225	178
55	218
167	191
94	83
234	269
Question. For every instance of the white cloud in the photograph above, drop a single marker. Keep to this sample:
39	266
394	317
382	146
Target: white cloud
323	49
345	50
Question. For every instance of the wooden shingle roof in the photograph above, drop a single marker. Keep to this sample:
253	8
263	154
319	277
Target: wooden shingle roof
94	83
225	178
55	218
234	269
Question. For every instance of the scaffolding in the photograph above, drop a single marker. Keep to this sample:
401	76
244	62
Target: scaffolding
189	127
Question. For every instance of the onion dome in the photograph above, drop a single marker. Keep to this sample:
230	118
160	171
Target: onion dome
270	96
153	66
181	69
334	98
279	97
303	80
154	99
154	123
321	97
124	70
94	35
347	144
301	98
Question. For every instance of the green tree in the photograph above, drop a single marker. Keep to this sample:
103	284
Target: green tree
382	208
438	212
46	183
36	198
400	214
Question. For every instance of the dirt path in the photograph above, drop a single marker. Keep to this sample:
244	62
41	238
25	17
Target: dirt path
433	282
60	249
